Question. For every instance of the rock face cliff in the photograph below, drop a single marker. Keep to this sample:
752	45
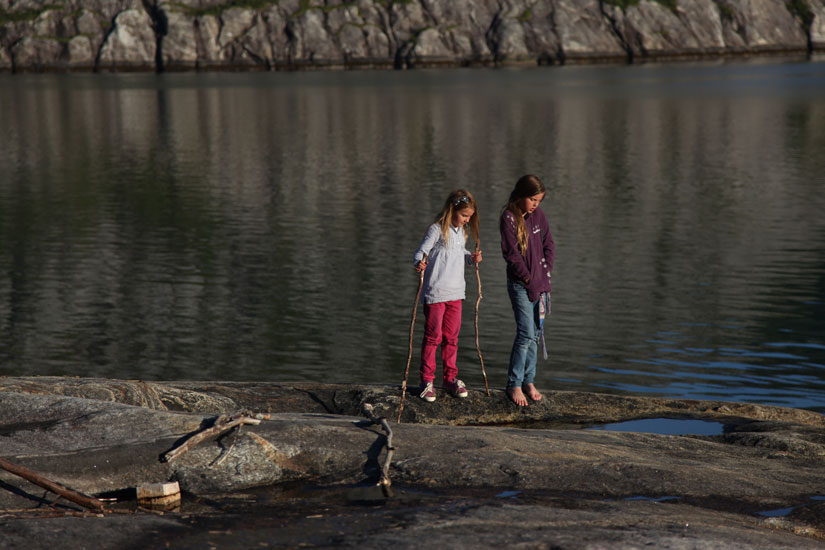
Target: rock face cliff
158	35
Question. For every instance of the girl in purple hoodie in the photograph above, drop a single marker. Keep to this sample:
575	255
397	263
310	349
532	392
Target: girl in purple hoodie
527	247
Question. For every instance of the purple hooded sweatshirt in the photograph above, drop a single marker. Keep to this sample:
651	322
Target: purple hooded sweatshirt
532	269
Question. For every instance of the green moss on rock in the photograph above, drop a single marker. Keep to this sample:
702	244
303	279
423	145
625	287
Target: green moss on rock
26	15
624	4
801	9
218	10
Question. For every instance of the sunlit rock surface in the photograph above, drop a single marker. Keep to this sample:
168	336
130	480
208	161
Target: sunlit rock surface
479	469
289	34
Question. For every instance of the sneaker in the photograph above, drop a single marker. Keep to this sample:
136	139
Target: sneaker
427	392
456	388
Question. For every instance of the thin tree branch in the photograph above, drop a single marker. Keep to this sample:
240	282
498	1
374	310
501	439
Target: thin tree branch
478	348
385	482
412	326
37	479
222	424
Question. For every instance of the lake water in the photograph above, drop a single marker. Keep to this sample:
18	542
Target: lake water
261	226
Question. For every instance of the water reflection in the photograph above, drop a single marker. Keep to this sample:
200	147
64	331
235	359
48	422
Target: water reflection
260	226
665	426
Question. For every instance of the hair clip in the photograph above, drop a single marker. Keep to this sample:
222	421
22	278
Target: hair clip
465	199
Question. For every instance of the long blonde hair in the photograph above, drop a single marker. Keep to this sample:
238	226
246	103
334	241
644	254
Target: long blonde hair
526	186
458	200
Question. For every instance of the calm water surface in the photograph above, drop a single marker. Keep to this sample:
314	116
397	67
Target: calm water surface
261	226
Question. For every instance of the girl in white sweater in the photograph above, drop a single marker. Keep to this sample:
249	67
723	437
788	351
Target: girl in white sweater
443	255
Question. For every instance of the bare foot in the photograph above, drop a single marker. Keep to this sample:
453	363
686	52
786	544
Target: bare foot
532	392
517	396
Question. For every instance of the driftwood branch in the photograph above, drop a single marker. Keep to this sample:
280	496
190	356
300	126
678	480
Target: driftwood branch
225	452
475	323
384	482
73	496
412	326
222	424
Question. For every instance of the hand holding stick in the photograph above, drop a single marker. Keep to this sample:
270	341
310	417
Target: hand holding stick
421	268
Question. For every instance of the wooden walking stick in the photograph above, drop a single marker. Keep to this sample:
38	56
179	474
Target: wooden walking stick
412	326
478	348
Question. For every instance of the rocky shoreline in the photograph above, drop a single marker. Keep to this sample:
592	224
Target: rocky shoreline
153	35
478	472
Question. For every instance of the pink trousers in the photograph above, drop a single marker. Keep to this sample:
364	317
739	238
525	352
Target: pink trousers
441	326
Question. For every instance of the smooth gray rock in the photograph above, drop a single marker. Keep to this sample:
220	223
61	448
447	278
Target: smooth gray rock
131	41
457	484
817	30
345	399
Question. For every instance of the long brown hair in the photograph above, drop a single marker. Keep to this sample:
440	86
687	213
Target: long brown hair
458	200
526	186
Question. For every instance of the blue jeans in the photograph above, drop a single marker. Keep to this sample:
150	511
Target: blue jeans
522	369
